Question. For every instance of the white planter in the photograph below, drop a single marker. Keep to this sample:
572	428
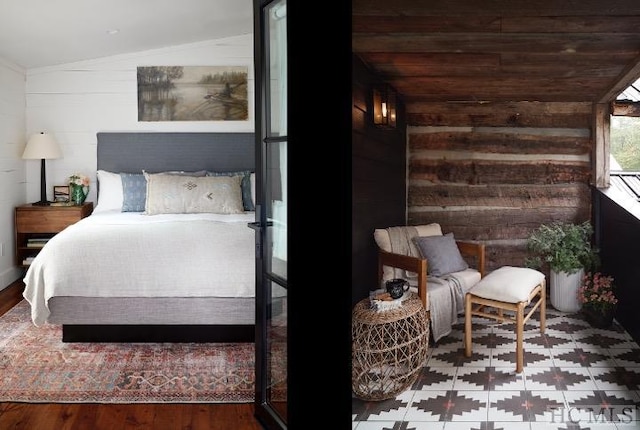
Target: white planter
564	290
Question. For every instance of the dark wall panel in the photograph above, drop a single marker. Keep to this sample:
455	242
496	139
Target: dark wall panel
378	181
619	242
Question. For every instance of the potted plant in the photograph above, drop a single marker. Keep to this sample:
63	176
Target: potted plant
596	294
566	249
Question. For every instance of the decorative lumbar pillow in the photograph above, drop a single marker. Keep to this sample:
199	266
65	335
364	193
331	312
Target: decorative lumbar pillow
134	188
183	173
109	191
442	254
191	194
134	192
248	196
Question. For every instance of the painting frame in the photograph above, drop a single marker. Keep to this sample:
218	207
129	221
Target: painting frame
61	194
193	93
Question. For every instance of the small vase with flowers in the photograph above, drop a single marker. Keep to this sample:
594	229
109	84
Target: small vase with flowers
78	188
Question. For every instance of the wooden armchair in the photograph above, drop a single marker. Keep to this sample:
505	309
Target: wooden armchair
420	265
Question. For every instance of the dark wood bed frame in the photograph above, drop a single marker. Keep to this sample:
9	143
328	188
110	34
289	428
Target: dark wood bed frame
157	152
157	333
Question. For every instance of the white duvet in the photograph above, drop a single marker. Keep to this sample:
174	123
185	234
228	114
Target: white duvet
128	254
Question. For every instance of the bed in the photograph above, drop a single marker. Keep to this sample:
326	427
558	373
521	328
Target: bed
156	275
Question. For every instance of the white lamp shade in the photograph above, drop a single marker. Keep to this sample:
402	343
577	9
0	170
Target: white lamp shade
41	146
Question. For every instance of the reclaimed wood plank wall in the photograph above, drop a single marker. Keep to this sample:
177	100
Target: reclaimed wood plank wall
493	172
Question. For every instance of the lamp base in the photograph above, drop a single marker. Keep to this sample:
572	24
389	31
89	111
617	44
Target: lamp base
41	203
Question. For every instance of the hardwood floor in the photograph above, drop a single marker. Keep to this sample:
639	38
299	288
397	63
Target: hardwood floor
83	416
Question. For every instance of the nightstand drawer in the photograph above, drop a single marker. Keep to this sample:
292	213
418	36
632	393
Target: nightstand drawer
46	221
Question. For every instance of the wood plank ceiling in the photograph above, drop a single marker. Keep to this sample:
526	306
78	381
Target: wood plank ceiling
500	50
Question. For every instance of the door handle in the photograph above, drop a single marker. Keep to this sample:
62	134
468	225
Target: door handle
258	225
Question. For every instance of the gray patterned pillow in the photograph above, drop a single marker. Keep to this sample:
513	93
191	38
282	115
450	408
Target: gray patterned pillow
189	194
442	254
246	186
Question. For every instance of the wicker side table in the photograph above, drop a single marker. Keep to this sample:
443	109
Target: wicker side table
389	348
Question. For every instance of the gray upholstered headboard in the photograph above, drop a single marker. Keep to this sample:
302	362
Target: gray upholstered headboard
156	152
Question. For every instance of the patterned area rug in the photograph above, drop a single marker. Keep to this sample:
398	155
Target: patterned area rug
36	366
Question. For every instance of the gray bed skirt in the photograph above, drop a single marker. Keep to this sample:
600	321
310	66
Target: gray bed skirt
181	319
138	310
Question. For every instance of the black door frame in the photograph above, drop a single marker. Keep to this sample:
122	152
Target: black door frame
264	411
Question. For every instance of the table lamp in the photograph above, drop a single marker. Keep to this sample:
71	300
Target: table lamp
42	146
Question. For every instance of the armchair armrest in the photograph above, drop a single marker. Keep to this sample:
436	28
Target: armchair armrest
473	249
412	264
419	265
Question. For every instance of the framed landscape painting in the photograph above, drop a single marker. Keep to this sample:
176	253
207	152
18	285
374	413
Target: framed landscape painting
61	193
192	93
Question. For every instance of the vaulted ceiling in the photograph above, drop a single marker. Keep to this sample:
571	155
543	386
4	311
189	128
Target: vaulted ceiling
40	33
500	50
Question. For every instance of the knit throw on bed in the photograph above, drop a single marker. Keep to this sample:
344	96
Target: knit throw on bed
36	366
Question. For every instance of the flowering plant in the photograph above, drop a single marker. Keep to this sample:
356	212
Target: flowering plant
596	292
78	187
79	179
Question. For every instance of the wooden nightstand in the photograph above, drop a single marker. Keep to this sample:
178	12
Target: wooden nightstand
34	225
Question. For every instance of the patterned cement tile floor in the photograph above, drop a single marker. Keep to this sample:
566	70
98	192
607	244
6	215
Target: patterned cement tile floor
575	378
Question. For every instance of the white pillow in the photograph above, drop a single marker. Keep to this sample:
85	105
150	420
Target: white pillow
109	192
171	194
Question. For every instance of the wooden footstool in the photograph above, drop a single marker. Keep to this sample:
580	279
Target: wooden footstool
508	289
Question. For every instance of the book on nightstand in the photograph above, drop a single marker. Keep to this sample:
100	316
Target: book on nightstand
27	261
37	242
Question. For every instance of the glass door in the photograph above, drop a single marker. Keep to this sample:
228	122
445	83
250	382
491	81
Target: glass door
270	60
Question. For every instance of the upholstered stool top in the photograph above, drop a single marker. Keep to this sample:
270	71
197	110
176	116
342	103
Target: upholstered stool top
508	284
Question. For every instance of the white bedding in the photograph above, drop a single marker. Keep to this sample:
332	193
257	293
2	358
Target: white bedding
128	254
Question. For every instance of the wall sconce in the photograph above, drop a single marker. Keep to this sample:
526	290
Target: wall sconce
384	106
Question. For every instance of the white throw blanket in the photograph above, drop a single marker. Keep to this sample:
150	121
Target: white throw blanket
135	255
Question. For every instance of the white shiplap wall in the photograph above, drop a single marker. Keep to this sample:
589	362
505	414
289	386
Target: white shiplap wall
12	167
74	101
